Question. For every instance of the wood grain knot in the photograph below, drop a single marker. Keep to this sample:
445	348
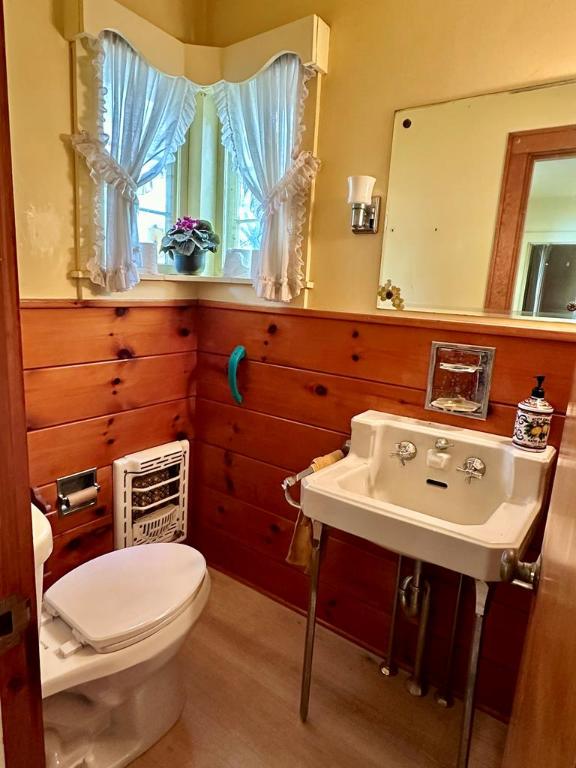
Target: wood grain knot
272	328
355	357
16	684
184	332
121	311
116	381
355	334
321	390
125	354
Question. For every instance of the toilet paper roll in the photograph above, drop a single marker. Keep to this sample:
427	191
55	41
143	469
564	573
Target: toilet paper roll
82	498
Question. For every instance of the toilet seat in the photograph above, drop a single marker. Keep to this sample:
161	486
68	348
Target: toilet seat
60	673
125	596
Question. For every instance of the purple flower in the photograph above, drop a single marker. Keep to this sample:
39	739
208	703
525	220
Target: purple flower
187	223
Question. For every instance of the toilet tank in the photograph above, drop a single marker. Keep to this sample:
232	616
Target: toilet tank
42	538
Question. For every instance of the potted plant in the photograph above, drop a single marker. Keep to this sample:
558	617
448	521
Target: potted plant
187	242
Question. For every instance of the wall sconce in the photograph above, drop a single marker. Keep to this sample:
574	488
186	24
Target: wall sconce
365	208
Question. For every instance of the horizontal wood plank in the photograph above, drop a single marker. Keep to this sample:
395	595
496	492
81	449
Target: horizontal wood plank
258	483
58	451
397	355
364	576
77	546
75	392
53	337
330	401
353	618
281	442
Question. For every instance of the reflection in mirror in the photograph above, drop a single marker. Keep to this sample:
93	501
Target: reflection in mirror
481	205
546	280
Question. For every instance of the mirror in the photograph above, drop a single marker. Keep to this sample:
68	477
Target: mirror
481	206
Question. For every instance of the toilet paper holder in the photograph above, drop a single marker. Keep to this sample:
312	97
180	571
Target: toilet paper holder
77	491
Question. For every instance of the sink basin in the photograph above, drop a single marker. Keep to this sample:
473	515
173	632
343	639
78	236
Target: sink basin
426	508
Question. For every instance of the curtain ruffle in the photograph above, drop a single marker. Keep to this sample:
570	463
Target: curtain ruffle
103	167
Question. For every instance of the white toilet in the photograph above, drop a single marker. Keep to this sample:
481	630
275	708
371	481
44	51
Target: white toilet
109	634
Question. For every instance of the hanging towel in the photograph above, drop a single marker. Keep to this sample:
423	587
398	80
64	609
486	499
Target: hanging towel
300	549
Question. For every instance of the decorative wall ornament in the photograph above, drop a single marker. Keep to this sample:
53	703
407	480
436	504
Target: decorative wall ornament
391	293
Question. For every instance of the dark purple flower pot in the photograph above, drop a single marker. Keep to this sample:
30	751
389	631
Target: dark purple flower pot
190	265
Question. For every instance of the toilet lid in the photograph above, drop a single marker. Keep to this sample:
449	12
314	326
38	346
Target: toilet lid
123	596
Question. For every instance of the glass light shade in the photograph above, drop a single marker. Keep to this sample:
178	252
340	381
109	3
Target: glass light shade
360	189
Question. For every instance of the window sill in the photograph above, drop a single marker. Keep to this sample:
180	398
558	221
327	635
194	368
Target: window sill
178	278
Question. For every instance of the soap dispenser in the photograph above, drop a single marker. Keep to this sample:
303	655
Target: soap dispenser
533	417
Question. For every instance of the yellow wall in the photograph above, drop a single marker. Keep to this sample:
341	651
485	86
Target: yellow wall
386	55
40	117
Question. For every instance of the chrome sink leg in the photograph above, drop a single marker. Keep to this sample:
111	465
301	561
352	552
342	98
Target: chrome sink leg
482	592
311	620
388	667
444	693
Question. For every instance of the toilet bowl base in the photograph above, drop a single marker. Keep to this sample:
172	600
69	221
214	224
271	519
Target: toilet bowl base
97	725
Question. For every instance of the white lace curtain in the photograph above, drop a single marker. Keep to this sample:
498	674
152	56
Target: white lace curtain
262	129
143	119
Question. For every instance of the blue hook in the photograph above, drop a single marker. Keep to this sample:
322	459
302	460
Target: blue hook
237	354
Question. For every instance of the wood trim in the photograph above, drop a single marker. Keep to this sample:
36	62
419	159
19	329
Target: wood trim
20	693
114	301
524	148
496	325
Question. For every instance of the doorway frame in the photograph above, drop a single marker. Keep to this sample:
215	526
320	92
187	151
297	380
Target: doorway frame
523	149
20	687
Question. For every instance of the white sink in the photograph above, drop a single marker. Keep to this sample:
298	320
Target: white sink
438	515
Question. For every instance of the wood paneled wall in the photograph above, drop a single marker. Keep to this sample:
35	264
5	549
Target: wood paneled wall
101	381
305	376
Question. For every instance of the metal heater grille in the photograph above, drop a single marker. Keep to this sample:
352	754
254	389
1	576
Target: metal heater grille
151	495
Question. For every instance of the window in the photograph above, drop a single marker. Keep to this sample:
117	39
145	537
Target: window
203	183
156	208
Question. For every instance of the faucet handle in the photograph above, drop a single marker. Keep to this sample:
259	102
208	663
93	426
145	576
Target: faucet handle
473	468
405	451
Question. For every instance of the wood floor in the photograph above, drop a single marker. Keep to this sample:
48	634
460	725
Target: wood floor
242	671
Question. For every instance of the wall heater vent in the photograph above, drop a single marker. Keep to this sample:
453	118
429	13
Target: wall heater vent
151	495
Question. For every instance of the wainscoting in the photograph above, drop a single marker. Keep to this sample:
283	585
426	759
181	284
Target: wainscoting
305	376
102	381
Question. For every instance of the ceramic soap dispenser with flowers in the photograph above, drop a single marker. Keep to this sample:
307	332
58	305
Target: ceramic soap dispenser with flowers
533	417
